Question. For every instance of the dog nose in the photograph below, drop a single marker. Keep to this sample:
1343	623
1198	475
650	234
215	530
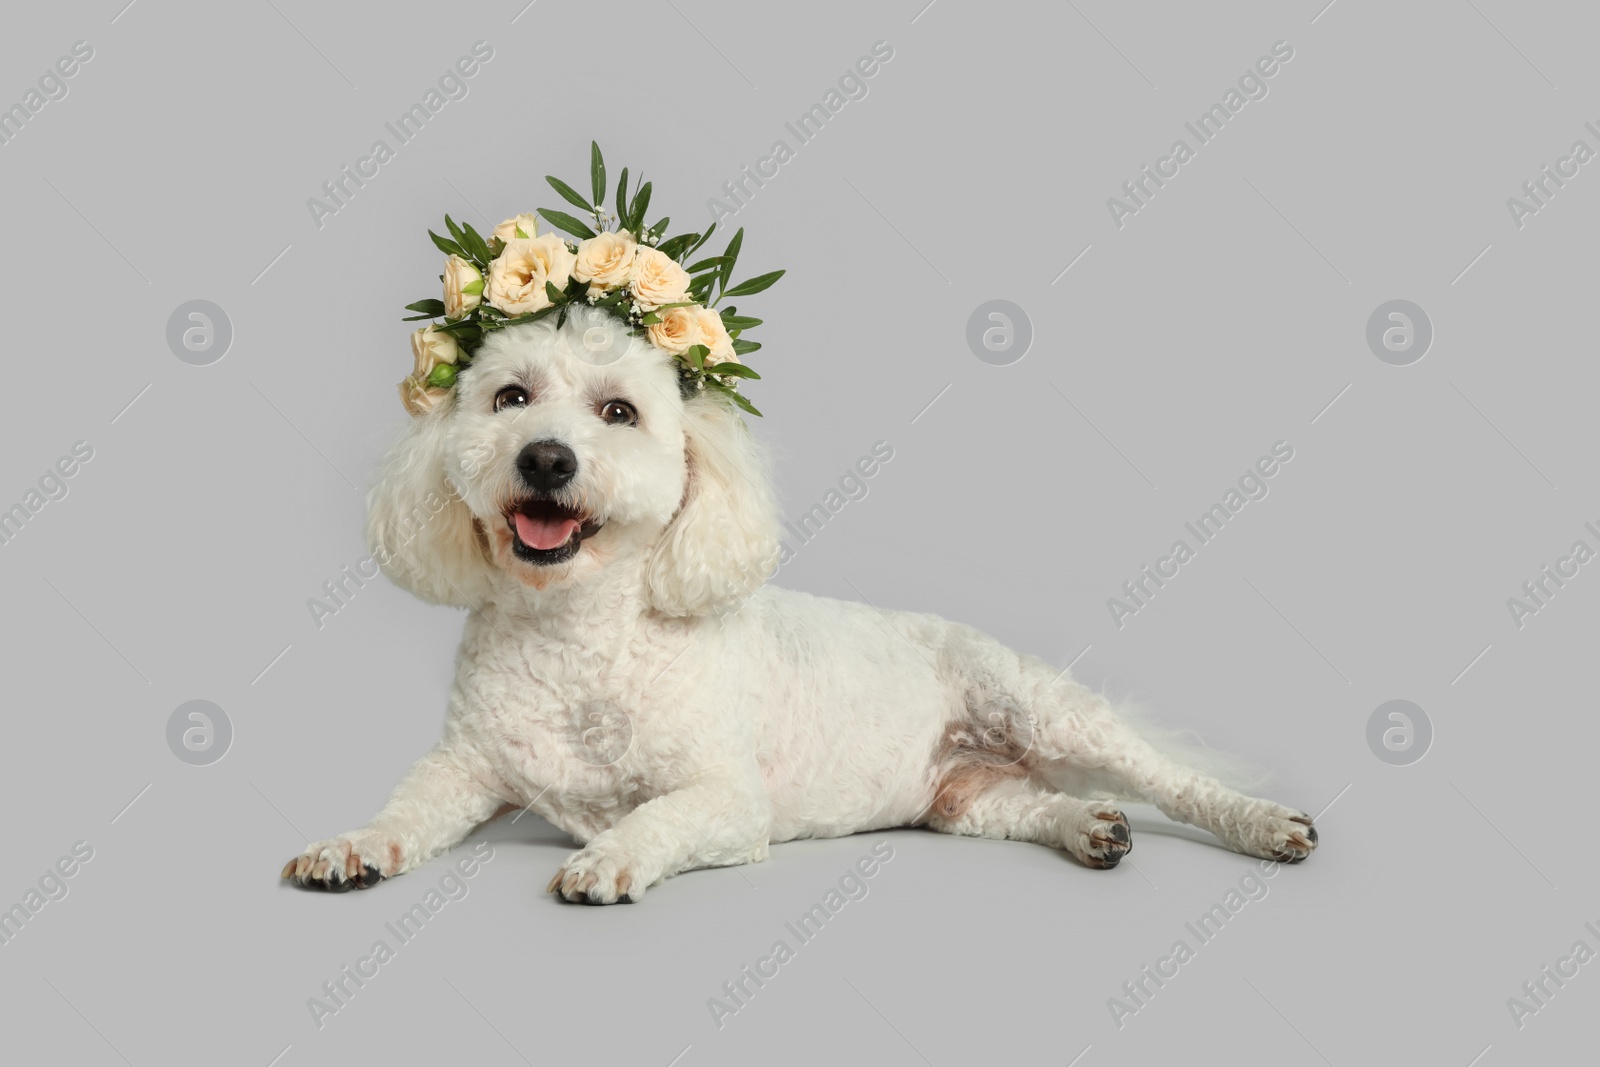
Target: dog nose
547	465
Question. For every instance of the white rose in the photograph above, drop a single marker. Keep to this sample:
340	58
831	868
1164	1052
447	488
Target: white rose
432	347
605	261
714	335
463	287
507	230
657	279
518	276
420	398
677	331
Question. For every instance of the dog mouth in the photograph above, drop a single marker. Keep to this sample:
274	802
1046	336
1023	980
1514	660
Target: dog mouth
546	532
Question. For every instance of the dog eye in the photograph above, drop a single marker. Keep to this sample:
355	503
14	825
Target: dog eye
619	413
512	396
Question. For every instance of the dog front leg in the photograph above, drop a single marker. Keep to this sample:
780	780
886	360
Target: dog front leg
436	804
710	823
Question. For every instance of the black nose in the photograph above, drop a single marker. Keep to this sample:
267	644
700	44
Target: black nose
547	465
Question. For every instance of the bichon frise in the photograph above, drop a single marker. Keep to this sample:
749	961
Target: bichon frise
626	674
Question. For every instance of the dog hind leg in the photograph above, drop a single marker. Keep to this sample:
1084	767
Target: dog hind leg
1076	734
1019	809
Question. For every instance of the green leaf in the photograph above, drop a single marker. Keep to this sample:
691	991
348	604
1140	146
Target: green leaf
621	206
562	220
532	316
427	307
569	194
477	246
754	285
737	370
696	355
733	395
712	261
597	173
636	210
700	240
556	295
738	322
744	348
661	227
730	256
653	317
447	246
455	231
417	318
467	335
676	246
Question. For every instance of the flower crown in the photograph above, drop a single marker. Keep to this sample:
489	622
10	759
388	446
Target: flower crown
619	266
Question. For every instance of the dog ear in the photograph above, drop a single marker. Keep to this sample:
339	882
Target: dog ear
418	528
723	542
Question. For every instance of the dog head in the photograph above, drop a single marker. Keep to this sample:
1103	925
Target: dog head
562	454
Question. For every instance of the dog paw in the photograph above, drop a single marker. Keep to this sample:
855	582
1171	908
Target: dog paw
1101	837
593	877
1299	839
1274	832
350	861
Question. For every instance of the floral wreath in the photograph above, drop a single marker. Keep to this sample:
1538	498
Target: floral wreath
637	274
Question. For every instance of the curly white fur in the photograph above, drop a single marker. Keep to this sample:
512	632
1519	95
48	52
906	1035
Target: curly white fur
652	697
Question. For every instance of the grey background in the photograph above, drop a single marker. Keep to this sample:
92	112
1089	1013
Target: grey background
1224	316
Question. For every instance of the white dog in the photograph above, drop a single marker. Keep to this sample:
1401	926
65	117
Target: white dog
625	675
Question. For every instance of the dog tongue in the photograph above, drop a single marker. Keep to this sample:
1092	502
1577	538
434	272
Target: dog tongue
544	534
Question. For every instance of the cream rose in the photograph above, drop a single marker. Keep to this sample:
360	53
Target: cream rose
677	332
518	276
431	348
605	261
507	230
420	398
714	336
657	279
463	287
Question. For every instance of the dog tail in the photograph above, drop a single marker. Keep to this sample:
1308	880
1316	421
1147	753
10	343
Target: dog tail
1190	749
